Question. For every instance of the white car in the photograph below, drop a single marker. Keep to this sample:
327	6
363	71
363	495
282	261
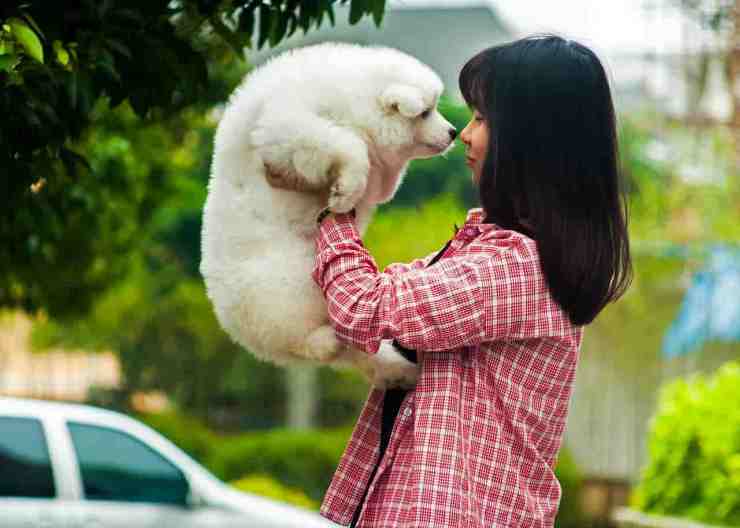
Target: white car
75	466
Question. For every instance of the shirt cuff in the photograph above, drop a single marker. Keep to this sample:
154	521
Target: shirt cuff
335	228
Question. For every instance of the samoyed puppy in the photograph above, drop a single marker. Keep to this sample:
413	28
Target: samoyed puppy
329	124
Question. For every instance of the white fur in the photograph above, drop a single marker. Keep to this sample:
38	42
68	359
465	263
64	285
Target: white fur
334	124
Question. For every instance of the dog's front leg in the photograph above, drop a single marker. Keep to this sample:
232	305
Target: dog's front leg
311	153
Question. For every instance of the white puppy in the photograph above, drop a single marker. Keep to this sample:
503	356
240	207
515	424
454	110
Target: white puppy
330	124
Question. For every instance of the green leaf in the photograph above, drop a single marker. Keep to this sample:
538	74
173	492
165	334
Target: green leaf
230	37
6	47
27	38
34	25
61	53
266	15
70	87
120	47
278	29
246	20
8	62
378	11
356	10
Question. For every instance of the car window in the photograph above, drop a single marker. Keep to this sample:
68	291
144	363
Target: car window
115	466
24	459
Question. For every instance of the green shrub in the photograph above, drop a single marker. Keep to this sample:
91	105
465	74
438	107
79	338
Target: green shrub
569	513
693	468
265	485
300	459
185	432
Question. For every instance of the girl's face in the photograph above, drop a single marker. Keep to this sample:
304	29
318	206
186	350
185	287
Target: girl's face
475	138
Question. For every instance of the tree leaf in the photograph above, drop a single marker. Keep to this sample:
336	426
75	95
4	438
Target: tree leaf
246	20
279	26
61	53
378	11
34	25
27	38
356	10
8	62
120	47
266	15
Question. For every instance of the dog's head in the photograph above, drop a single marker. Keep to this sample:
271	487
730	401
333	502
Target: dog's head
412	121
412	125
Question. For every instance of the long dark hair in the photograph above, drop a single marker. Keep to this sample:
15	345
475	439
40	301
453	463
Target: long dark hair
552	166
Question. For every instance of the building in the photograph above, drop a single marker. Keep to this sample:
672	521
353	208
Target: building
55	374
442	37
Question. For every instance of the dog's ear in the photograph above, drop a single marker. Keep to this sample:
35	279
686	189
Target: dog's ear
402	98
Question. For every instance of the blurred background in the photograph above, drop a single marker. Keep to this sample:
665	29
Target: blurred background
109	113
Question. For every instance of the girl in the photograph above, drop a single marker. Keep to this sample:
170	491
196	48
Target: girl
498	318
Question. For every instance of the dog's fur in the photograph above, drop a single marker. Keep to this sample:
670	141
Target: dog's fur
330	124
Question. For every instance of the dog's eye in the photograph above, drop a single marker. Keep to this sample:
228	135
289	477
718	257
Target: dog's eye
425	114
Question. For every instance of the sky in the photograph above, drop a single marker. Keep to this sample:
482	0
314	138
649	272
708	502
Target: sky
622	26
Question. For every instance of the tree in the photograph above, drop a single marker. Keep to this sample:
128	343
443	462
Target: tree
723	17
62	65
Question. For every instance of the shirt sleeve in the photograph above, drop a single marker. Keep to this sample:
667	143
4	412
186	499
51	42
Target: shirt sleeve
460	301
400	267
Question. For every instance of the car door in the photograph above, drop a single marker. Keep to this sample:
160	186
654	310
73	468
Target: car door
125	482
28	493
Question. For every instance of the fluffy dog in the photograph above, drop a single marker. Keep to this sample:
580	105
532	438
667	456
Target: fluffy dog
330	124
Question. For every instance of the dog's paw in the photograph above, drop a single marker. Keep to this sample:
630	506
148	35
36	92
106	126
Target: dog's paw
345	192
279	179
392	370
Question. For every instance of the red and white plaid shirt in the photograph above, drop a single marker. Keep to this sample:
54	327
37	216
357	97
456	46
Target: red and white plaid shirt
476	441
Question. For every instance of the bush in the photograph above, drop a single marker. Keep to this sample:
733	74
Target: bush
301	459
569	513
693	468
185	432
264	485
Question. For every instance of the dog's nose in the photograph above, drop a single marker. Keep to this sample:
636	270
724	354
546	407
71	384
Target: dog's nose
453	133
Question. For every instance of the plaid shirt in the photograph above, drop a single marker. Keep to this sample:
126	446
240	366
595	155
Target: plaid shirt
475	443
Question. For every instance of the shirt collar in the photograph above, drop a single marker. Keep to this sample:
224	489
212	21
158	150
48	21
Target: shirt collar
475	219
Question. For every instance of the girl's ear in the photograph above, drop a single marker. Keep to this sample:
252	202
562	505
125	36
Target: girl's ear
402	98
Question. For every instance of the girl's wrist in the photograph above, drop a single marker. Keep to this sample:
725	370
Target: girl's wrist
326	212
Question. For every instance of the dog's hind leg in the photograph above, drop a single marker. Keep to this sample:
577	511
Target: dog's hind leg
322	345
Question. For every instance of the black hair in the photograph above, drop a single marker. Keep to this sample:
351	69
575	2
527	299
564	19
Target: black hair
552	165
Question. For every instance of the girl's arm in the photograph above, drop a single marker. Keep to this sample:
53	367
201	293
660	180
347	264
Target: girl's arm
460	301
400	267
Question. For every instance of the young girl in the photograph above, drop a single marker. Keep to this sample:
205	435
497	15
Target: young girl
497	319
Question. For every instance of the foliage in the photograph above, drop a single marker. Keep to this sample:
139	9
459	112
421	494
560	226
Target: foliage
683	188
59	63
302	460
261	484
716	15
396	233
570	478
189	433
693	469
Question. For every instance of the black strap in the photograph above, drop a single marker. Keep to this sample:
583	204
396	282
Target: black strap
391	405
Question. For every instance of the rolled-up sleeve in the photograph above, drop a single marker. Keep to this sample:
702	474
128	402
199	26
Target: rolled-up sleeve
460	301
